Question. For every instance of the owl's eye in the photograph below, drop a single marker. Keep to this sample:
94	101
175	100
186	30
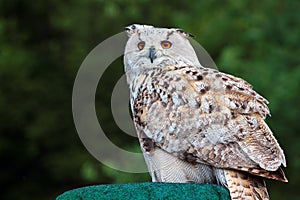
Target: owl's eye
165	44
141	45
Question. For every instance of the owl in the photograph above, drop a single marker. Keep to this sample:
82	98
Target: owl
196	124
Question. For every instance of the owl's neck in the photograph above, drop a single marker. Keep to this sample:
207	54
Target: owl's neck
141	71
136	76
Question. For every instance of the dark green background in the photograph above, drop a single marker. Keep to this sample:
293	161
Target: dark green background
43	43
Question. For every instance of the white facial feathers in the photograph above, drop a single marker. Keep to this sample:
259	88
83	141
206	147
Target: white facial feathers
149	47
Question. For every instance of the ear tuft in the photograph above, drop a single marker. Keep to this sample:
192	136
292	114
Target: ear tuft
137	28
183	33
130	29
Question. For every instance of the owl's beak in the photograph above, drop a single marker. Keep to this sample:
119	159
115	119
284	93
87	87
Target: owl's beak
152	54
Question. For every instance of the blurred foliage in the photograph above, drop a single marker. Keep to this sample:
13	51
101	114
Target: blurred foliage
42	44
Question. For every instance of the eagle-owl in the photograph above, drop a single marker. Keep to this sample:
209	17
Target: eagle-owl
197	124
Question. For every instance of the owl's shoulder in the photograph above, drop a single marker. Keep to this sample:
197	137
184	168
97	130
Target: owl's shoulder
234	92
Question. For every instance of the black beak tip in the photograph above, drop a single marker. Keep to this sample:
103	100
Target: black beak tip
152	54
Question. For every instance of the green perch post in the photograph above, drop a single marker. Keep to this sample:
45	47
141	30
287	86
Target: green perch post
148	191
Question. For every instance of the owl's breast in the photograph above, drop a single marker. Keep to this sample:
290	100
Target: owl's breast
168	106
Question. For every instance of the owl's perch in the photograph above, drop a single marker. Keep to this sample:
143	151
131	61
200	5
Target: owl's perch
146	191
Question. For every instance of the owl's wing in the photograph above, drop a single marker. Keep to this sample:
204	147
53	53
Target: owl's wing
203	115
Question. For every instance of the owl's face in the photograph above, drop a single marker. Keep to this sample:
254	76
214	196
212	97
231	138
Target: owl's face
150	47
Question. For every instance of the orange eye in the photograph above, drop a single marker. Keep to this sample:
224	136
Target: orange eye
165	44
141	45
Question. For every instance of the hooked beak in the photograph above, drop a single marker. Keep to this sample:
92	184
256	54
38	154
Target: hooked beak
152	54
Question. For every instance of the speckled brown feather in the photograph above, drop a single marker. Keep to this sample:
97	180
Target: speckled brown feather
243	186
247	144
220	122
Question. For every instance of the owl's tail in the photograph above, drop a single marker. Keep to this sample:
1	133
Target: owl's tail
243	186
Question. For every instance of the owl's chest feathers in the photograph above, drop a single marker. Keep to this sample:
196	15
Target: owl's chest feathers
166	107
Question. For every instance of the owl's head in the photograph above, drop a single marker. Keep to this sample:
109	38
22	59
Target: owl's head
149	47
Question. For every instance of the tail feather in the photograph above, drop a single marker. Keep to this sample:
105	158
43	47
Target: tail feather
243	186
275	175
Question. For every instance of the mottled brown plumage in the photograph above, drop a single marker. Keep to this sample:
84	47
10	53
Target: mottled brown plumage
197	124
